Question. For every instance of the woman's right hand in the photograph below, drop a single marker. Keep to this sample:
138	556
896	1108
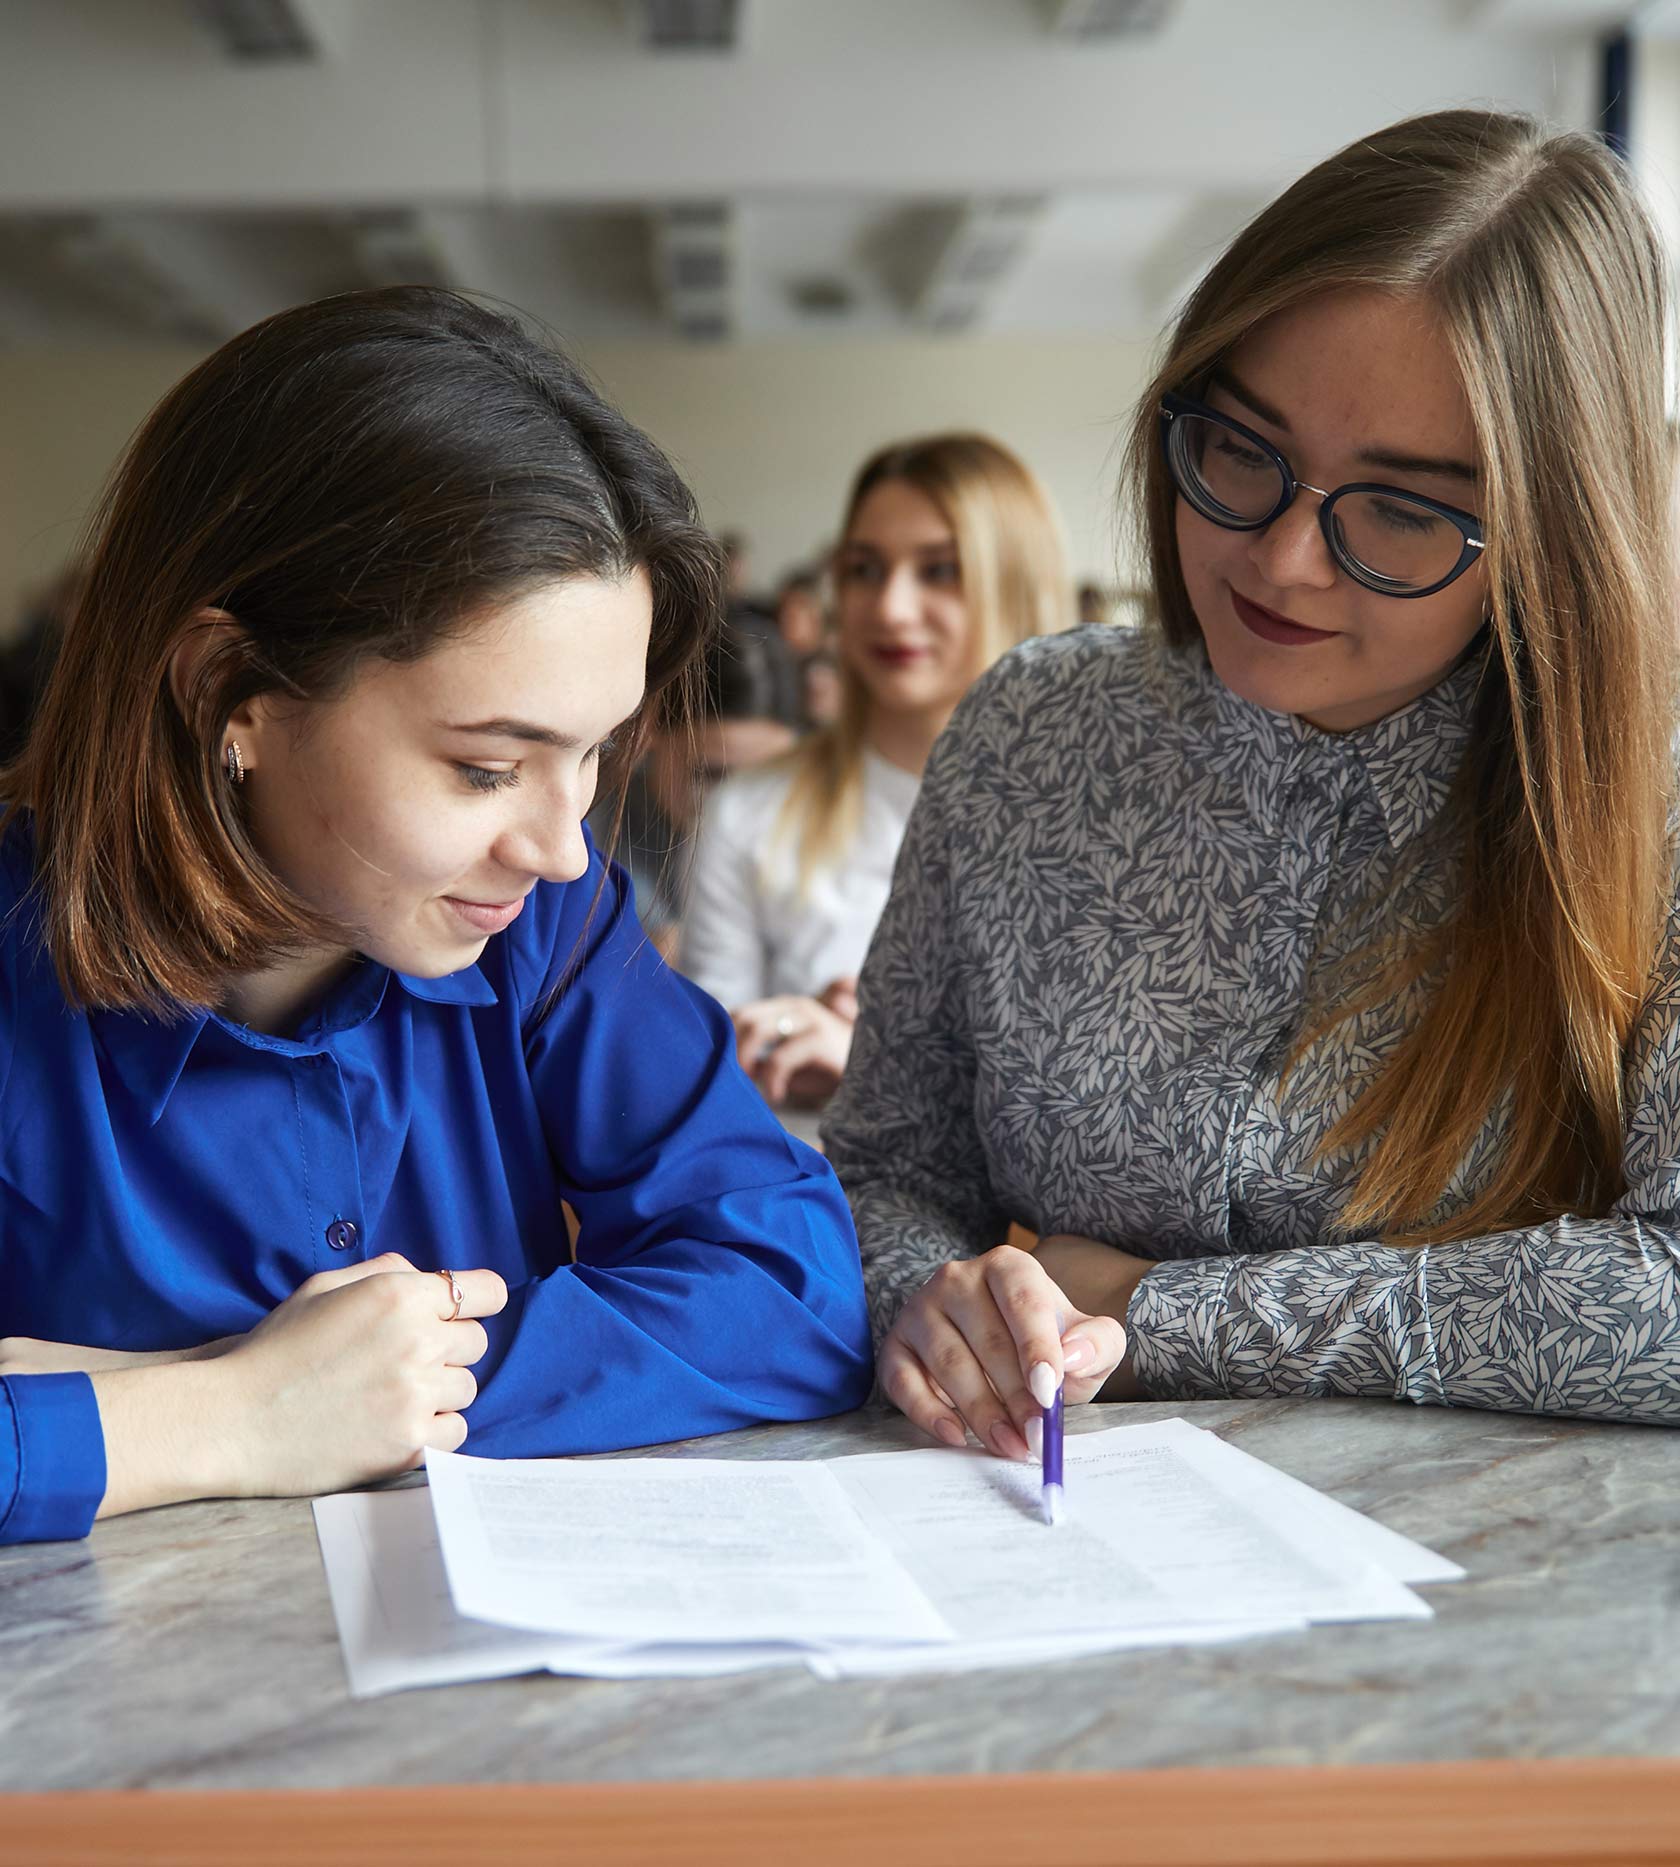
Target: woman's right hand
352	1377
978	1346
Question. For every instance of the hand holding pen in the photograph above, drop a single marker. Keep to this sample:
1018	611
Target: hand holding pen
968	1347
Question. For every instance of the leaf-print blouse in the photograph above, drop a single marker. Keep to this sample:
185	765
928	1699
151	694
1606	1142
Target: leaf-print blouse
1117	887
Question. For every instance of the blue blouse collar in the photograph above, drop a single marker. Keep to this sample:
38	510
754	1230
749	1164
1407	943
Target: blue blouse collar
149	1053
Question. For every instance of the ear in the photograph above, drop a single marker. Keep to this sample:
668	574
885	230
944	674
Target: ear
212	632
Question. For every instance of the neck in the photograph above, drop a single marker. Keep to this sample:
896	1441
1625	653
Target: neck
906	738
276	999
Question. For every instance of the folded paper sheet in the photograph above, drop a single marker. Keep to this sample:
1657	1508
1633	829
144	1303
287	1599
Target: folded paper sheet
871	1564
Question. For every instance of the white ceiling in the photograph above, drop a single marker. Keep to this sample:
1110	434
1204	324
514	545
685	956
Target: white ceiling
868	166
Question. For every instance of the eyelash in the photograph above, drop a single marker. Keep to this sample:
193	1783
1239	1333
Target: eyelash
481	778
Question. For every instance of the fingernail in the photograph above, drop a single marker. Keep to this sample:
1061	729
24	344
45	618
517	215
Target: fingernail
1035	1437
1043	1383
951	1433
1006	1442
1076	1353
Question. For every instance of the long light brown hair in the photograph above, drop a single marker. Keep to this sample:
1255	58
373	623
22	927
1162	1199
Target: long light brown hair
354	478
1549	281
1015	584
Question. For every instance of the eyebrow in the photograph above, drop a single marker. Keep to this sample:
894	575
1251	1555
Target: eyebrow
517	729
1392	458
942	549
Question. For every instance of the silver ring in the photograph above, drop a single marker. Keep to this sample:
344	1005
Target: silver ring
456	1295
785	1026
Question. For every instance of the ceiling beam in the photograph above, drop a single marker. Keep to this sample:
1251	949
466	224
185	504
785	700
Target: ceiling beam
273	32
1173	267
1086	21
398	246
114	264
687	25
1568	16
694	267
983	242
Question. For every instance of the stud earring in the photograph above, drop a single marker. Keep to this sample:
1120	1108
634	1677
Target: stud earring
234	761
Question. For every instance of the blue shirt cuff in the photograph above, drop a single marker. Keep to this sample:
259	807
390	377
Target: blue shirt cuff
52	1457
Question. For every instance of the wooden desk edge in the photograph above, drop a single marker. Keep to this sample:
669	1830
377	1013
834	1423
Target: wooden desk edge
1575	1813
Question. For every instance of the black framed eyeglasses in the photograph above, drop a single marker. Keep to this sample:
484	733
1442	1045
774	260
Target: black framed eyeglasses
1394	542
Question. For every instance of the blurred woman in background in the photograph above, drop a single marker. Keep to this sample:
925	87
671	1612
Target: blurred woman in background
950	555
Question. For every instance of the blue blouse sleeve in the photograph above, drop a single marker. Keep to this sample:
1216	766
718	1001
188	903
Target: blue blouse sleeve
716	1281
52	1457
52	1448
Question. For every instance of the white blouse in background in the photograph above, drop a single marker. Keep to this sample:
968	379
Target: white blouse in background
748	932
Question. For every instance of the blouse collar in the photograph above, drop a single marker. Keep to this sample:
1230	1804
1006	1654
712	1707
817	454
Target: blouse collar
149	1053
1408	760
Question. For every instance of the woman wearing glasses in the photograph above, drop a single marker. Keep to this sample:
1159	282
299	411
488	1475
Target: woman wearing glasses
1303	968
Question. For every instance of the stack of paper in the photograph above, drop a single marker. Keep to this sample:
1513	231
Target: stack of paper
878	1563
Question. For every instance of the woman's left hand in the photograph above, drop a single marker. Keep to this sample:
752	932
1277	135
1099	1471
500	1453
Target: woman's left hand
795	1049
27	1354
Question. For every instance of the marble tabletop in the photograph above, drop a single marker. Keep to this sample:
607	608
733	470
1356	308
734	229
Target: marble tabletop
194	1647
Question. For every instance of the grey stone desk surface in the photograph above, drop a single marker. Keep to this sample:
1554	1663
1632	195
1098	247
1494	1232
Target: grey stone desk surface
195	1647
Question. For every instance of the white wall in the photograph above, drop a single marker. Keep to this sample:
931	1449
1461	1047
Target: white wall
768	435
1656	146
67	417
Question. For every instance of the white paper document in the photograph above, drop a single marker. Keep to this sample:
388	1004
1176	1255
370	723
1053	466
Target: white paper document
1399	1555
399	1627
1158	1548
663	1549
873	1564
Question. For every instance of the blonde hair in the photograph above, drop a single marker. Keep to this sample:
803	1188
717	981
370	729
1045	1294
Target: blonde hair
1547	278
1015	584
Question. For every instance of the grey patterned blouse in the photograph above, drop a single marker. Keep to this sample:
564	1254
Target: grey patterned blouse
1095	957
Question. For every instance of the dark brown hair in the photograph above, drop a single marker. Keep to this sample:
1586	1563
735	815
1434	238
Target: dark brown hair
356	477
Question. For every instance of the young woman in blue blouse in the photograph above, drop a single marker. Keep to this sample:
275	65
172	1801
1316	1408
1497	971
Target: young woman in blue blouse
316	1001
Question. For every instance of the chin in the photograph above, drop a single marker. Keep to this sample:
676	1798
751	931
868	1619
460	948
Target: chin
433	960
1258	678
916	694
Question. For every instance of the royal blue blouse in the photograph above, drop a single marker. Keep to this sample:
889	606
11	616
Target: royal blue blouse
165	1183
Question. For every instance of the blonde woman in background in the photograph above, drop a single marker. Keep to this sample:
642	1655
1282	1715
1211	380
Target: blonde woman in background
950	555
1305	969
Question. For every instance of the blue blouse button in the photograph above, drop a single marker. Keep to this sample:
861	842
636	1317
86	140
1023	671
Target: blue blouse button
341	1234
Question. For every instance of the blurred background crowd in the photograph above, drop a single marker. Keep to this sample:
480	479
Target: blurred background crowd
882	276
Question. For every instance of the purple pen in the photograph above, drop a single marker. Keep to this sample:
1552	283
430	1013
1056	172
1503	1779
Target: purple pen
1050	1493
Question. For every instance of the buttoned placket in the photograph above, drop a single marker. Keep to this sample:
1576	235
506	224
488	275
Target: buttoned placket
329	1162
1308	817
1309	814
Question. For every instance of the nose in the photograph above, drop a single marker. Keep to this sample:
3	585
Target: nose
1291	551
898	598
547	842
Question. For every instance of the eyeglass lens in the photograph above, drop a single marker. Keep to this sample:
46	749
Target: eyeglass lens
1227	479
